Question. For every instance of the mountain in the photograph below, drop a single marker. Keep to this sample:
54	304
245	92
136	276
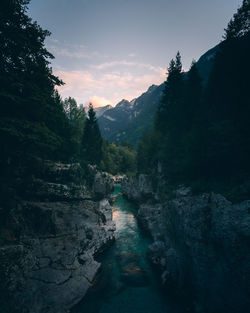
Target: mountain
115	119
100	110
128	120
141	117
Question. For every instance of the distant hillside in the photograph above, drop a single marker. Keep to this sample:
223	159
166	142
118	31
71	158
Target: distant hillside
141	116
128	120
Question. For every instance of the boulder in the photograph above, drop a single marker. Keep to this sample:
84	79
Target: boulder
103	184
137	189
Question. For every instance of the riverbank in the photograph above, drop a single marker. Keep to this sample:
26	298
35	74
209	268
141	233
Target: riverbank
127	282
50	239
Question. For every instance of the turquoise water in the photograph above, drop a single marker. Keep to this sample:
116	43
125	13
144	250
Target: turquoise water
126	283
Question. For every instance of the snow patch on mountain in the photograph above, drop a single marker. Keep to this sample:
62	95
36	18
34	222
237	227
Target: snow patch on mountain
109	118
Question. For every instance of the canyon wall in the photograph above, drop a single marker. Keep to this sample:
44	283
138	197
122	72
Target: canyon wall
50	239
200	244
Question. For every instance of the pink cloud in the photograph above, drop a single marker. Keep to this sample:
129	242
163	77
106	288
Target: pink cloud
112	86
147	66
98	101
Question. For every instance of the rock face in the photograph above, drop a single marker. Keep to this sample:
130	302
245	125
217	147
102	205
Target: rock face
103	184
101	110
200	245
137	189
47	254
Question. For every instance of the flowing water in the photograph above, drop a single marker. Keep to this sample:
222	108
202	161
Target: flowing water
126	283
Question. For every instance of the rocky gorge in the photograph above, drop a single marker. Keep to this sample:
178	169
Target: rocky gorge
200	244
50	239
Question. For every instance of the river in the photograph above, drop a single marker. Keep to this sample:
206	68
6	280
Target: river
126	283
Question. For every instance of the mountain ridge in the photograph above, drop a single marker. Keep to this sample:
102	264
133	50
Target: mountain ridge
128	120
99	111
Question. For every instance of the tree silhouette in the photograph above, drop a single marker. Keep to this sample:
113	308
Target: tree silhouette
32	117
92	139
172	97
239	25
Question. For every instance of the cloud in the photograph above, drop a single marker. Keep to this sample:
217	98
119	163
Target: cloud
106	88
150	67
76	51
54	40
98	101
103	83
76	79
69	53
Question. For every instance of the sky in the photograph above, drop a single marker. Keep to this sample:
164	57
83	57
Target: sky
109	50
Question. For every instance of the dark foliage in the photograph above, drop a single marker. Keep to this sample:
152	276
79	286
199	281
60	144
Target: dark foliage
239	25
76	117
35	124
202	131
32	118
92	139
118	159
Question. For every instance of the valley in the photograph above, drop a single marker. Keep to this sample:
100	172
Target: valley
142	206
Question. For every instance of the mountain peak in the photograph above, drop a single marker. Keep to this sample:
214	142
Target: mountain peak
123	103
128	120
101	110
152	88
108	106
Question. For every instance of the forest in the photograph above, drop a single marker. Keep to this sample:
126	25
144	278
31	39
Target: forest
35	122
201	131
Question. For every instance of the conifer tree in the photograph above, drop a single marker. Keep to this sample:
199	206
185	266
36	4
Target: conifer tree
172	97
239	25
32	119
76	117
169	118
92	140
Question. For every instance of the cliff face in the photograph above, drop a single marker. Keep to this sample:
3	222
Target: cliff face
49	243
200	245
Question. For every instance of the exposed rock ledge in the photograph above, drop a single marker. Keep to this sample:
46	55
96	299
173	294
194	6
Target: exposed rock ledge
47	259
200	245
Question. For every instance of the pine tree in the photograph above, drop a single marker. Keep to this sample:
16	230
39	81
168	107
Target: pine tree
92	139
32	119
26	80
166	114
239	25
169	119
76	117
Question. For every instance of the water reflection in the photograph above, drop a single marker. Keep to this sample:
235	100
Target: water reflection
126	283
123	219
